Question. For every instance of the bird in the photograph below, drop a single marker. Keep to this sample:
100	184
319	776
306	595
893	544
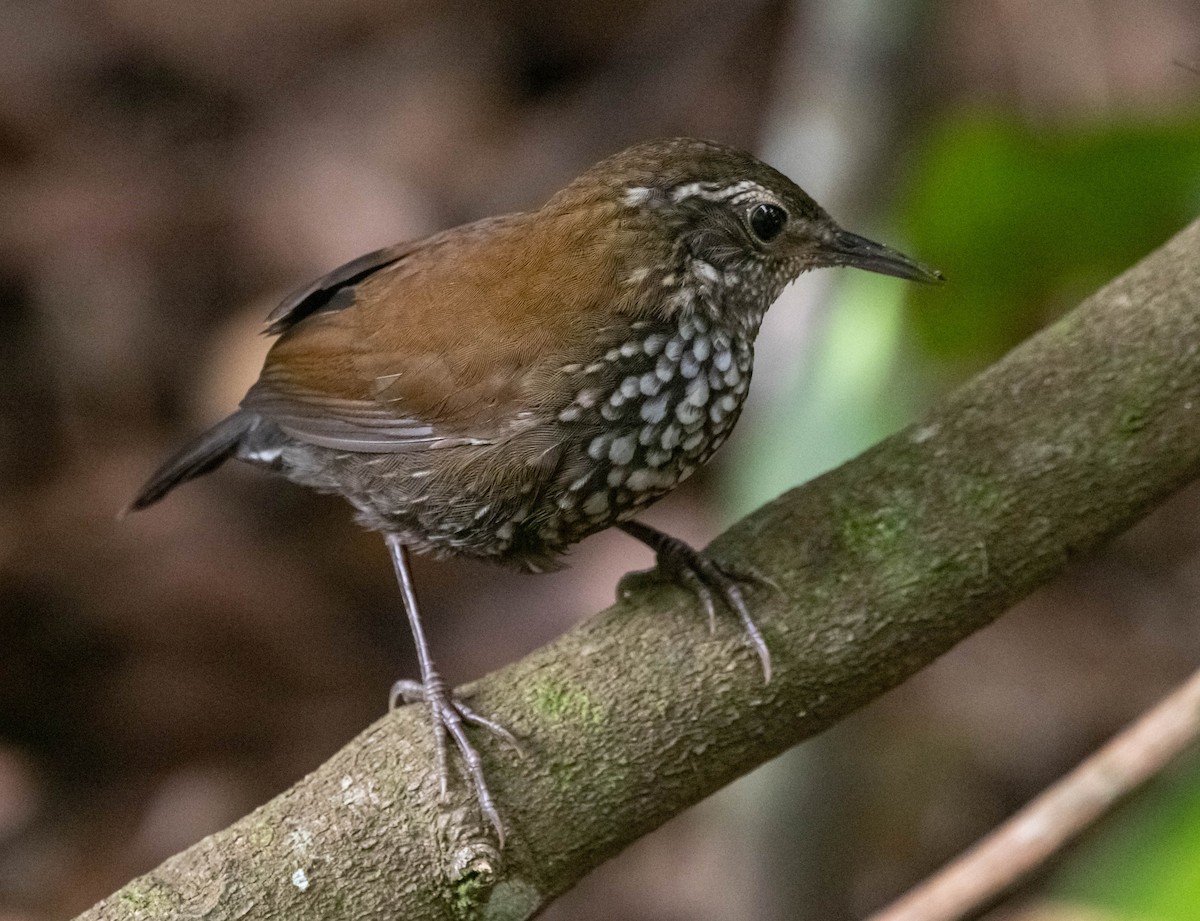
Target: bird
500	390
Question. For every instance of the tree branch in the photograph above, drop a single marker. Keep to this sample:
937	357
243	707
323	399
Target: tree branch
638	713
1023	844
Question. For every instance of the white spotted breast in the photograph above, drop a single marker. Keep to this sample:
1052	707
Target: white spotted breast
643	417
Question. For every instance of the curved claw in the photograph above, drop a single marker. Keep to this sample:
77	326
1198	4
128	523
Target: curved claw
704	577
449	716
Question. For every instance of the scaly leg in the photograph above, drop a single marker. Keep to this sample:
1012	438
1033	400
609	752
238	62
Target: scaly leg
705	577
447	714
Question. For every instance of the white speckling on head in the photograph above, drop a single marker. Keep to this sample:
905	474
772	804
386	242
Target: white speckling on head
629	349
570	414
637	276
705	271
587	398
505	531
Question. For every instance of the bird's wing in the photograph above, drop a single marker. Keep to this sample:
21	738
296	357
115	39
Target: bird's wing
406	349
332	291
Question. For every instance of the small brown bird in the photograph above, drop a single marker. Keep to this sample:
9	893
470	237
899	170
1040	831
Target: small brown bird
503	389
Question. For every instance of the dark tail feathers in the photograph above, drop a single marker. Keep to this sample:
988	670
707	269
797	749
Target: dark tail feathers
198	457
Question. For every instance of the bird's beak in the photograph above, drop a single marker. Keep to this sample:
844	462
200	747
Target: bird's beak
846	248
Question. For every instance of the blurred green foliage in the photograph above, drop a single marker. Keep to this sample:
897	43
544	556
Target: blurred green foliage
1144	865
1027	220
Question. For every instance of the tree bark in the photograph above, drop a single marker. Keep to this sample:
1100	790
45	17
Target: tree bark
882	565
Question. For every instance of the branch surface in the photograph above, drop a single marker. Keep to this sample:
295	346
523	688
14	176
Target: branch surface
883	564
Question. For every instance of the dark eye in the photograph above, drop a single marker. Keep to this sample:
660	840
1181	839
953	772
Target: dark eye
767	221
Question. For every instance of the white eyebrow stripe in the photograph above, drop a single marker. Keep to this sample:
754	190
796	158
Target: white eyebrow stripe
711	191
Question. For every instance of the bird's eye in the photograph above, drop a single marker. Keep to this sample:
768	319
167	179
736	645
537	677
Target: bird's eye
767	221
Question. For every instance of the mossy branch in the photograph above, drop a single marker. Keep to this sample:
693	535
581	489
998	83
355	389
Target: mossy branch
883	564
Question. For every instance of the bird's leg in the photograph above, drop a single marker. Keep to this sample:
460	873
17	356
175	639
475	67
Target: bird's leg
707	579
447	714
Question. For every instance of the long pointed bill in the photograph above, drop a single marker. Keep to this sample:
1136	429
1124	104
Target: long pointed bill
850	249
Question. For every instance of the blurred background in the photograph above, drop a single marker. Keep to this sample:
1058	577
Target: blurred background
168	171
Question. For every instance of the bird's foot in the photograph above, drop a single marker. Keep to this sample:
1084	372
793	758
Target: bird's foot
449	717
709	580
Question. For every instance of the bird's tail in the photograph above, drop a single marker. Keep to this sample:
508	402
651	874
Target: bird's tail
198	457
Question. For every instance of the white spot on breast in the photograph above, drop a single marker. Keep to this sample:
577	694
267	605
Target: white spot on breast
640	479
621	450
701	348
629	349
630	387
688	414
649	384
505	531
653	344
670	437
596	504
697	392
665	369
689	366
587	398
655	410
599	447
570	414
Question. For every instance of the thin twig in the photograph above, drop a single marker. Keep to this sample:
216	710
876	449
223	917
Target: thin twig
1026	841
